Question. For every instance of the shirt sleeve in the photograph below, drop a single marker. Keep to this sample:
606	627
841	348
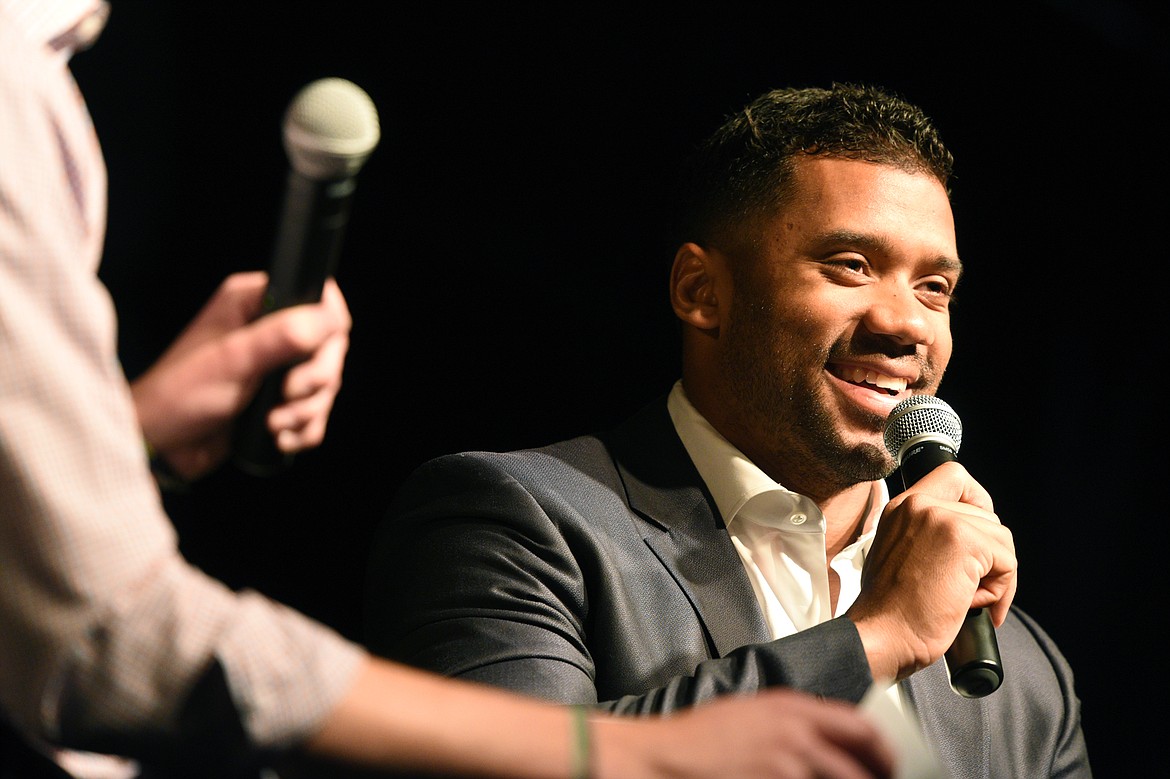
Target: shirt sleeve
108	637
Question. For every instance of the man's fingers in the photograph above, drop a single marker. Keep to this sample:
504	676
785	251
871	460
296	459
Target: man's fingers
321	372
277	340
951	482
301	424
846	744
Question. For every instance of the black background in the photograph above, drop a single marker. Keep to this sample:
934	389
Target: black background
506	267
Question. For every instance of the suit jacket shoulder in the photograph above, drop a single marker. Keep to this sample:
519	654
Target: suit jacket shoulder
592	570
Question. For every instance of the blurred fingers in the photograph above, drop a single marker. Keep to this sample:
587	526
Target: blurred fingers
301	424
320	373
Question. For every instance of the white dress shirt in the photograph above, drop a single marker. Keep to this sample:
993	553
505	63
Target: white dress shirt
779	534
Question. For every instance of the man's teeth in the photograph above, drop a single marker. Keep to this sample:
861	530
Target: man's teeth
859	375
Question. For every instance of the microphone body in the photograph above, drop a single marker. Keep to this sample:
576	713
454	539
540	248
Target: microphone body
330	129
922	433
308	240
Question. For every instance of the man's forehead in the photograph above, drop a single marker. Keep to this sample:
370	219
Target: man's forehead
838	203
818	171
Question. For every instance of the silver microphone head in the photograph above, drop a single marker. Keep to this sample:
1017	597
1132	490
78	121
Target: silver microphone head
921	418
330	128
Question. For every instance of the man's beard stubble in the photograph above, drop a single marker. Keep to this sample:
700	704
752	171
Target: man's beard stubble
771	385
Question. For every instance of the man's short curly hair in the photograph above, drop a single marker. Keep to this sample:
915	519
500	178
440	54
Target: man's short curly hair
743	171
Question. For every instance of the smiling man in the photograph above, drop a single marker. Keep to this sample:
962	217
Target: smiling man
737	534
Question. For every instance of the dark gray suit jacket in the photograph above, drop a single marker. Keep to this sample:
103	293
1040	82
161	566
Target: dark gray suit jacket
598	571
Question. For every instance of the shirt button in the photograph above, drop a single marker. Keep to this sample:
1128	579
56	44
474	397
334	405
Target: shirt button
798	519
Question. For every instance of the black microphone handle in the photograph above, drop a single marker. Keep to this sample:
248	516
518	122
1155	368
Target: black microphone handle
973	661
308	242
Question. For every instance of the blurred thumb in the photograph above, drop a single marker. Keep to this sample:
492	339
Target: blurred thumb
281	338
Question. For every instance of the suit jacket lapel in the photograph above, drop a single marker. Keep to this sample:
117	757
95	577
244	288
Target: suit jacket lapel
684	531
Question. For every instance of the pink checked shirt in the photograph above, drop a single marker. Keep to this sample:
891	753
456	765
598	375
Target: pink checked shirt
103	626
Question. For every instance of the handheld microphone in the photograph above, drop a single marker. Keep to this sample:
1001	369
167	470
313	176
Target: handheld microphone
923	432
330	128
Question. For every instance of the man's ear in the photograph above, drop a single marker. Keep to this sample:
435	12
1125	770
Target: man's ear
696	281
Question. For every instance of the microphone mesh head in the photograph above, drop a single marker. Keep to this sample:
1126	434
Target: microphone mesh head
330	128
921	418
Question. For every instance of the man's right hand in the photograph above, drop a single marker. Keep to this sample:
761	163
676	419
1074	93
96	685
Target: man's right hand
189	399
939	552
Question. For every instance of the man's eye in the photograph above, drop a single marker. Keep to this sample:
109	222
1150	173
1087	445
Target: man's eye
940	294
850	264
941	287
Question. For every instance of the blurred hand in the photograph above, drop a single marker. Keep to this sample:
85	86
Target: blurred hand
776	733
939	551
188	400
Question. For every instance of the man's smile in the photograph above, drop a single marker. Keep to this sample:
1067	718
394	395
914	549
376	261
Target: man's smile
868	376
